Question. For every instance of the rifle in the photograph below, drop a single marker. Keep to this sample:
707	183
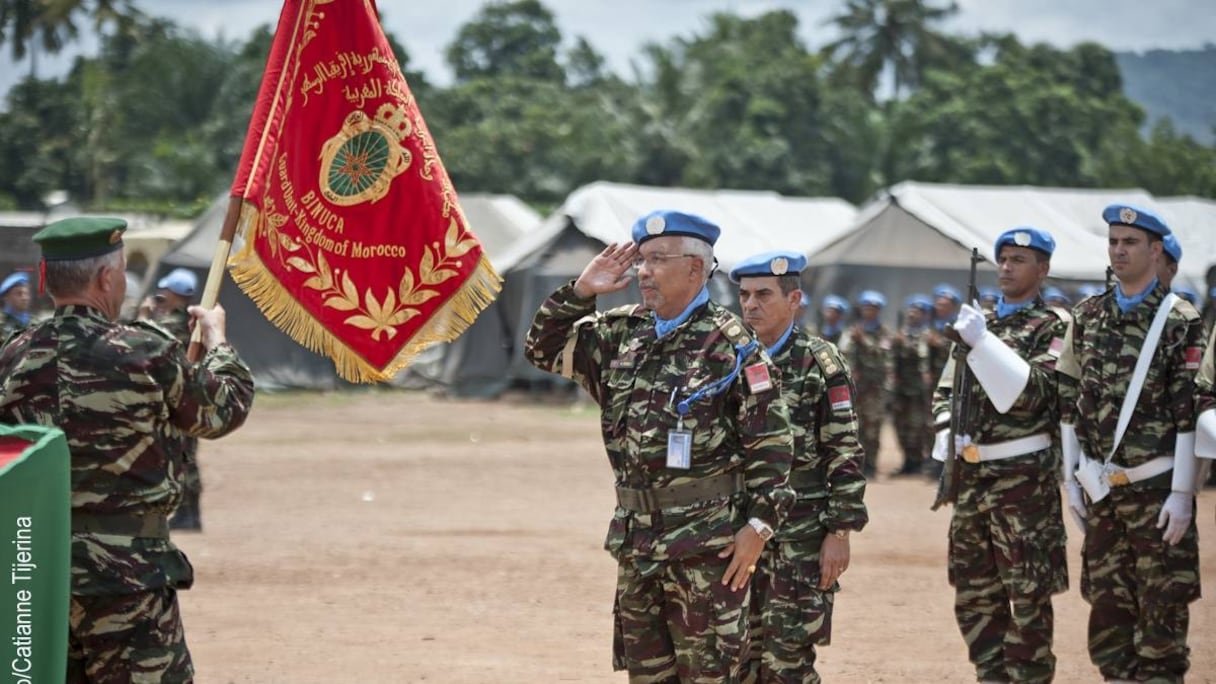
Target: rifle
1110	276
960	402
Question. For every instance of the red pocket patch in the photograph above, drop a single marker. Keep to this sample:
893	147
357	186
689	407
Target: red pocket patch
840	398
1193	356
758	379
1057	346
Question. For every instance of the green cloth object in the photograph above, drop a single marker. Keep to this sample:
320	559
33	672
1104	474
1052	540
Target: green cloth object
80	237
35	553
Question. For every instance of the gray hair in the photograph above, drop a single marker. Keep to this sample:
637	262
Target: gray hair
701	249
67	278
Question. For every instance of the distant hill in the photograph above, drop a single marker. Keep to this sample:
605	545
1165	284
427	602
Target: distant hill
1180	84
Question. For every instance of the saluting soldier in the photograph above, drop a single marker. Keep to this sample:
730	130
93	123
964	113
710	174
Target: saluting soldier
1006	554
122	393
796	576
698	438
1128	436
867	347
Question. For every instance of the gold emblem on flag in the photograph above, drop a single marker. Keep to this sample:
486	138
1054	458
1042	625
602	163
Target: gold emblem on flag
1127	215
361	161
779	266
655	225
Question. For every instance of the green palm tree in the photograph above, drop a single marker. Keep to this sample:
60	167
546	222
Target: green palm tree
889	34
27	25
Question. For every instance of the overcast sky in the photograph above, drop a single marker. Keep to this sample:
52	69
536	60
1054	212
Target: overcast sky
617	28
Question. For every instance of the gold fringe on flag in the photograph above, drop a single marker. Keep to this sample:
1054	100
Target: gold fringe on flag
274	301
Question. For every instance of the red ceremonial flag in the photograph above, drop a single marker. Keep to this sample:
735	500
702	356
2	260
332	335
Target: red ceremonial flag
355	244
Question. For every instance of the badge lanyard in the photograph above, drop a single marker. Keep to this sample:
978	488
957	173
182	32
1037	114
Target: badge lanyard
679	440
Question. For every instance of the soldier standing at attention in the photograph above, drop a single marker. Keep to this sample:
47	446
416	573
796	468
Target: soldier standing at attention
834	310
698	438
867	347
15	298
912	390
792	593
122	394
1128	437
1006	553
168	310
946	300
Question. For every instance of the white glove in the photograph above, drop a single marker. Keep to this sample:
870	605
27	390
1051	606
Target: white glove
1076	504
970	324
941	445
1175	516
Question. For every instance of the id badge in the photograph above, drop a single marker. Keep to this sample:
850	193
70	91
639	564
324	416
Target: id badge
1092	477
679	449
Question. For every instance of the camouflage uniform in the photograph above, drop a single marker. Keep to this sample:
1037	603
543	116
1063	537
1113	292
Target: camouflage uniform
675	620
870	360
122	393
1006	545
9	325
790	614
912	395
1138	587
188	514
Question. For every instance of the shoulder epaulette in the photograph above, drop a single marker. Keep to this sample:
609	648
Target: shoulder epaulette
1187	309
733	329
827	356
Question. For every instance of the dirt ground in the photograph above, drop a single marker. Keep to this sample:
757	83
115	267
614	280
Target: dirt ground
385	536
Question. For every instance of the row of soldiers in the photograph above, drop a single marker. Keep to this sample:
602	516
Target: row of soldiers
896	369
739	459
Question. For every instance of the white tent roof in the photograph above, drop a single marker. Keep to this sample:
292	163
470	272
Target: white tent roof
975	215
751	221
499	222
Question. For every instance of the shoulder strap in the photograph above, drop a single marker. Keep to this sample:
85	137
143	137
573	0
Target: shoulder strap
827	358
1146	358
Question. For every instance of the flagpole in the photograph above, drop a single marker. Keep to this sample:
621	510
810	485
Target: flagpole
215	277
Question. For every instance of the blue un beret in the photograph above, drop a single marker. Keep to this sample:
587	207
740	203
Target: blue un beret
180	281
13	280
836	302
1187	293
1055	293
777	263
990	293
1172	247
805	301
871	298
665	223
948	291
919	301
1090	289
1026	236
1127	215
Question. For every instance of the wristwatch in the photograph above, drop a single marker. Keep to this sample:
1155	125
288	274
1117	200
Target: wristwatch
761	528
842	533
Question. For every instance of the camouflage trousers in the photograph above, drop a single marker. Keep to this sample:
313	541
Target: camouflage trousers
871	411
790	615
188	515
910	413
127	639
1138	588
680	624
1006	559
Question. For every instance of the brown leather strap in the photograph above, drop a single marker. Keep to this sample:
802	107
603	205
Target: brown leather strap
128	524
655	500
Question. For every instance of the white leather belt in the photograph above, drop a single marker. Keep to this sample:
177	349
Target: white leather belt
1121	477
1014	447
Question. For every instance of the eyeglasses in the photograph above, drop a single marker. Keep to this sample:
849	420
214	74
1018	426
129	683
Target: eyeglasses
655	260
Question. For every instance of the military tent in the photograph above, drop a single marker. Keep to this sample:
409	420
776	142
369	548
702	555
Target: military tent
916	235
602	212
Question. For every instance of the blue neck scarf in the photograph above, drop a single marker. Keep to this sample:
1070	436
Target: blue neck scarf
772	351
1003	309
662	326
871	326
1128	303
830	330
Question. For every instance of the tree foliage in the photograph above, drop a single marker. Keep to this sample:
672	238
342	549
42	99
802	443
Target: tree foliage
158	117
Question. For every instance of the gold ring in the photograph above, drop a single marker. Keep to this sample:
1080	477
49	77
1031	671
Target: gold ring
751	568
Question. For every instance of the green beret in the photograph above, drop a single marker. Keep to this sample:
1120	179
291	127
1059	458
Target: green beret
80	237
